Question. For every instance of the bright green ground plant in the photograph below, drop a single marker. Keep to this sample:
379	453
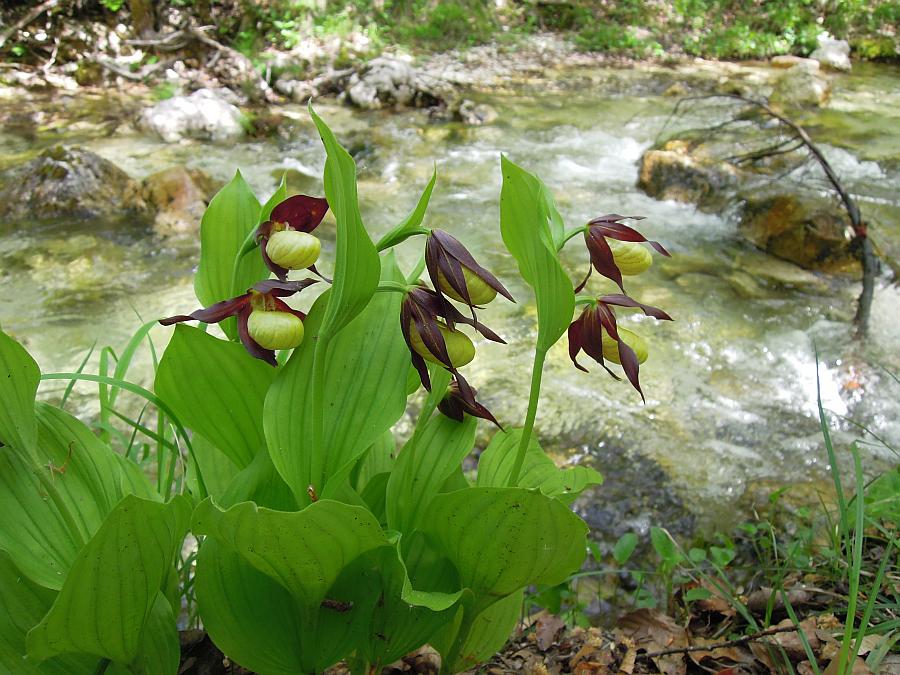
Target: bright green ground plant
320	539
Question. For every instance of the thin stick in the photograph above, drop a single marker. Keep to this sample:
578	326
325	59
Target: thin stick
27	19
720	645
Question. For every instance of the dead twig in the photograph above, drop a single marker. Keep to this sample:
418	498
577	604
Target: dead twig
27	19
138	76
720	645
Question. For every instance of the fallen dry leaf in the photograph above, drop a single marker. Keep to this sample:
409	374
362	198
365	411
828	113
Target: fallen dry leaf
859	668
653	631
547	629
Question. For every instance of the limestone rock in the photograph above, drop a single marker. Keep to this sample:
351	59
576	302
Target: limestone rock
204	115
72	183
475	114
802	85
179	196
831	53
788	61
672	172
809	232
386	82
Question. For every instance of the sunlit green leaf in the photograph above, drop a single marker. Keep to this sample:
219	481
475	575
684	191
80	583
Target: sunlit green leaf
538	470
218	389
503	539
232	214
19	378
663	545
526	213
624	547
113	584
365	393
356	263
422	467
412	224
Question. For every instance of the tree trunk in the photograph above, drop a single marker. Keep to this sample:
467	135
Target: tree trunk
143	17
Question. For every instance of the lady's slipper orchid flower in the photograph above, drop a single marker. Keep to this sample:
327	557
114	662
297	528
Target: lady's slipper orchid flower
285	240
429	338
265	322
614	261
455	406
456	274
596	333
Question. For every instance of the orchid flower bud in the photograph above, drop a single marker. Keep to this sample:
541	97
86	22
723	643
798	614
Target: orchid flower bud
293	250
630	258
275	330
459	346
630	338
479	292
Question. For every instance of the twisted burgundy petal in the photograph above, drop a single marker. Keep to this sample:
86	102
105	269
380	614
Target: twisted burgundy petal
602	256
608	226
212	314
281	289
460	253
300	212
626	301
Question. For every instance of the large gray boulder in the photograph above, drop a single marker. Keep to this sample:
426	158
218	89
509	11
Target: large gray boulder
385	82
677	171
802	85
204	115
71	183
831	53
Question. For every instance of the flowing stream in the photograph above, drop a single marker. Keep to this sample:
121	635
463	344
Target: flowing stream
731	384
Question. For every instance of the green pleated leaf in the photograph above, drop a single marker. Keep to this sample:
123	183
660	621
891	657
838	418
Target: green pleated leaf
379	458
503	539
217	470
303	550
538	470
86	479
529	222
216	388
490	631
365	393
423	466
113	585
412	224
19	378
277	197
259	483
22	605
356	263
160	648
232	215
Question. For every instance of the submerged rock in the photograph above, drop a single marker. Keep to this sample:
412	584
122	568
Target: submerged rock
70	182
802	85
386	82
803	230
204	115
475	114
179	196
674	172
831	53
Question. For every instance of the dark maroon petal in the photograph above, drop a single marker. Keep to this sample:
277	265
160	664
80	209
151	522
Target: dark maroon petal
212	314
439	263
454	248
282	289
605	318
621	232
277	270
631	366
453	315
300	212
264	231
575	341
625	301
584	281
251	345
602	256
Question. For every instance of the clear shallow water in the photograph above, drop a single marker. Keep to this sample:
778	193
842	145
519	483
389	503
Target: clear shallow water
730	384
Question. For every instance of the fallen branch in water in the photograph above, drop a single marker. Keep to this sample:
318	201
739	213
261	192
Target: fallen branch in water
720	645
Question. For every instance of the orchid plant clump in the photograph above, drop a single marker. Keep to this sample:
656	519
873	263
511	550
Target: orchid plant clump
319	539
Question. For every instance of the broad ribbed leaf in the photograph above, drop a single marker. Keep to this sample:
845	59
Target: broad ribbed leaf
114	582
423	466
218	389
303	550
230	217
22	605
412	224
160	648
526	214
19	378
490	631
356	263
365	393
87	480
503	539
379	458
218	471
538	470
277	197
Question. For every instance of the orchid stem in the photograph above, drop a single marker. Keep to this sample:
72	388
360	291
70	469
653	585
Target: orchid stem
391	287
318	406
417	271
570	235
534	395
